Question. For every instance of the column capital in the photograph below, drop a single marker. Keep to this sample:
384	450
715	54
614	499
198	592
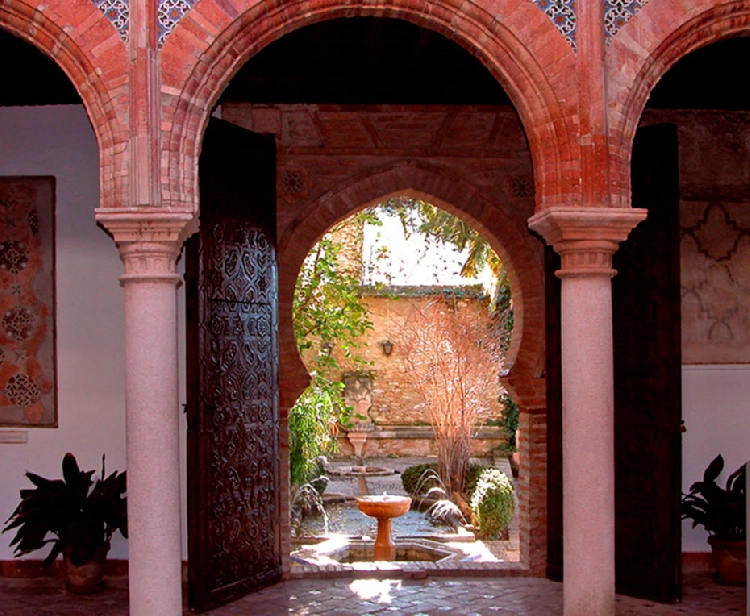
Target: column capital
586	238
149	242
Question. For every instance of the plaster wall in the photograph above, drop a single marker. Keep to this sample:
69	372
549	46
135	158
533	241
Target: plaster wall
714	147
715	410
60	142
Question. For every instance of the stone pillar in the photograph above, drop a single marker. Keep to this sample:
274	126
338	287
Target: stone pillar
586	239
149	245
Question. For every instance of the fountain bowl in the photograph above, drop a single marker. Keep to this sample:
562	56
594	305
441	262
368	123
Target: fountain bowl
383	506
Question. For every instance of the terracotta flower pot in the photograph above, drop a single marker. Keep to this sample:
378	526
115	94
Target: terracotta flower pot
88	578
729	560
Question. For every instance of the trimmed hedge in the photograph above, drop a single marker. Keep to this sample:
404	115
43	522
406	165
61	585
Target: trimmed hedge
492	503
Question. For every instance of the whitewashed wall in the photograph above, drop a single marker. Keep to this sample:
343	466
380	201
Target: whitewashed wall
716	410
59	141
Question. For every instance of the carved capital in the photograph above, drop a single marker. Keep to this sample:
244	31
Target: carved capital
149	242
586	238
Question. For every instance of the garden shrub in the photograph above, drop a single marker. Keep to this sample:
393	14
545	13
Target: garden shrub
412	474
473	472
492	503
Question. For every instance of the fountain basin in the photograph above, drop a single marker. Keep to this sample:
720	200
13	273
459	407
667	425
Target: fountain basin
357	471
384	508
351	551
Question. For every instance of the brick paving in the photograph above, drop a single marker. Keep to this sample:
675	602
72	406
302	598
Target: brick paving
361	597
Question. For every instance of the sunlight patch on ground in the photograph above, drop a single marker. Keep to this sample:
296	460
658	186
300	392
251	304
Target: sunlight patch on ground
375	590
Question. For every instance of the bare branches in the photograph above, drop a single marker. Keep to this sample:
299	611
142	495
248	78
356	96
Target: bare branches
453	356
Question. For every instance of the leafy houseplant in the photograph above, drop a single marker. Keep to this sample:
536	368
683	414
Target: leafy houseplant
721	511
82	519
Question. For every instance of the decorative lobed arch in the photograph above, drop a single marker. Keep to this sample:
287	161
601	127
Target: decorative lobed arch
523	260
519	251
645	49
212	42
79	38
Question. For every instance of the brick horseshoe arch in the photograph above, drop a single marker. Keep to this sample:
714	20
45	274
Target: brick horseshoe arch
515	246
86	46
664	38
196	72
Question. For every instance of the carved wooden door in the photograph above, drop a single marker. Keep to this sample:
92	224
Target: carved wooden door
647	371
648	378
233	417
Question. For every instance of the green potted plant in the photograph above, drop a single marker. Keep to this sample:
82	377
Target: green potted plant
721	511
80	514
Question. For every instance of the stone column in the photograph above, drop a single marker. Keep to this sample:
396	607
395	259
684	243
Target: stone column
586	239
149	245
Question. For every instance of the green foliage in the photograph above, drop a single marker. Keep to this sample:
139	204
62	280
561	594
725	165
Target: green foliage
329	316
81	518
509	423
473	472
721	511
492	503
311	426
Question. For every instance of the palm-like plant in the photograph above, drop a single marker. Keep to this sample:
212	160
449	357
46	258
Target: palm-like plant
81	519
721	511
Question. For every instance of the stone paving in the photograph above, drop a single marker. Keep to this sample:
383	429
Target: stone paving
412	593
361	597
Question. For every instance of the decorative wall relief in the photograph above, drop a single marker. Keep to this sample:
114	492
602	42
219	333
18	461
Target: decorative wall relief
27	301
358	395
715	281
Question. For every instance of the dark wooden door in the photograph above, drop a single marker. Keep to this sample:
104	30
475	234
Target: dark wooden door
648	377
232	368
647	372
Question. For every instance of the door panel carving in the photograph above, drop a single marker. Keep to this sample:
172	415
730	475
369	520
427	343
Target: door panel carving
233	374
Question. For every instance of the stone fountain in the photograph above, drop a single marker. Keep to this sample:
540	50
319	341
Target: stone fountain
384	508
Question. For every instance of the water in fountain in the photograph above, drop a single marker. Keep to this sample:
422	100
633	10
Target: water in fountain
443	511
307	501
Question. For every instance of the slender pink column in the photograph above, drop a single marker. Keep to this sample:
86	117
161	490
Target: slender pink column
149	245
586	239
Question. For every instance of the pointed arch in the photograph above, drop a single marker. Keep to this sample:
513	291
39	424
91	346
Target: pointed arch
519	252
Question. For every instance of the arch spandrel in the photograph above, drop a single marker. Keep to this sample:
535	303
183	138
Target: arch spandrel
519	251
526	53
80	39
643	51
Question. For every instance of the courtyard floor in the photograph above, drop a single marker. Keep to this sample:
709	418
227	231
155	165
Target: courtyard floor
357	597
318	591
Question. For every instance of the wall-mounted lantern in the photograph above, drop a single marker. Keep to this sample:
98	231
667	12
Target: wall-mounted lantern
387	347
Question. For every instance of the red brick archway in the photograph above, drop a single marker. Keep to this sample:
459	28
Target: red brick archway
518	250
643	51
212	42
522	257
87	47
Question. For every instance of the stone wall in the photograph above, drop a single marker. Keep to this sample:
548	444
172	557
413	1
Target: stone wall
397	410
